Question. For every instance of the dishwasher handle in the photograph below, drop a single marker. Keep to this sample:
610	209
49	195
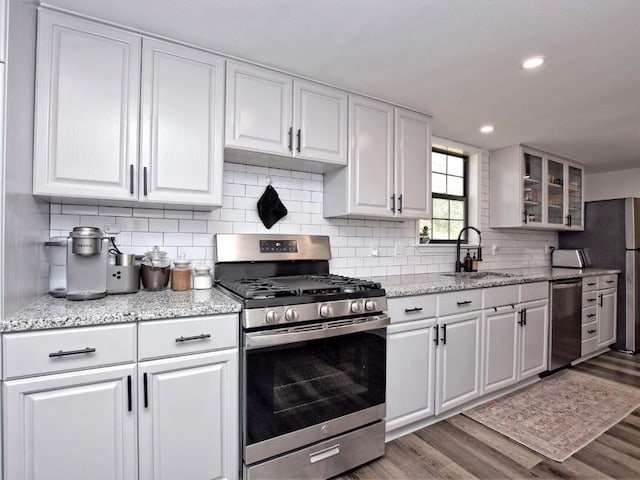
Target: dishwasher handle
562	285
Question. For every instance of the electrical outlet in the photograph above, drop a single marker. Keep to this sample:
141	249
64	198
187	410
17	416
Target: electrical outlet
112	228
399	250
548	248
494	249
375	252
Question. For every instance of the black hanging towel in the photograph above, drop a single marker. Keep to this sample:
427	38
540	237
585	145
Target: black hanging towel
270	208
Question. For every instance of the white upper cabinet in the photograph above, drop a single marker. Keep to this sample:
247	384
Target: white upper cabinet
389	164
87	101
3	30
181	150
273	113
532	189
89	98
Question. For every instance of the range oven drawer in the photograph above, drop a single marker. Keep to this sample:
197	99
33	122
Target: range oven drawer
325	459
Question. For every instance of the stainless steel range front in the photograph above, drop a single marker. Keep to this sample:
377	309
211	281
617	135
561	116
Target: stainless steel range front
313	358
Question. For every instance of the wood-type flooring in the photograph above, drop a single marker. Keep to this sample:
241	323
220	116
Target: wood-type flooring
460	448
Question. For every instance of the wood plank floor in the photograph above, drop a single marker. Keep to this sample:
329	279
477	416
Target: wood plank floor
461	448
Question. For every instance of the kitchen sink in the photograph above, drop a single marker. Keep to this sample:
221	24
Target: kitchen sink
480	275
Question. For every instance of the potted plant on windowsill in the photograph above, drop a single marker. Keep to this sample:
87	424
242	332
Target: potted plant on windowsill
424	235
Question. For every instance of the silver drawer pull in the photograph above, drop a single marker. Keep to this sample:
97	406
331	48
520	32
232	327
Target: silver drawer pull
202	336
324	454
466	302
61	353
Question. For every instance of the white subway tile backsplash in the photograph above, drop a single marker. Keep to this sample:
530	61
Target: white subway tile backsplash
133	224
147	239
193	226
163	225
64	223
115	211
178	239
179	214
148	212
80	209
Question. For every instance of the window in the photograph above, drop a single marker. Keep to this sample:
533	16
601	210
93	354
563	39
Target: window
449	185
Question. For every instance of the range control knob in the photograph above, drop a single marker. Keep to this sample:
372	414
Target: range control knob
370	305
326	311
272	316
356	307
291	315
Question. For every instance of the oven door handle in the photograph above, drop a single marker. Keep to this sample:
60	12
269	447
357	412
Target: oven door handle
271	338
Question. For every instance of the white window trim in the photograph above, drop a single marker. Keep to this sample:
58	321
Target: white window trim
473	184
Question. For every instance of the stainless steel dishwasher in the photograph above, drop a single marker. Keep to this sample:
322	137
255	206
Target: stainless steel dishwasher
565	332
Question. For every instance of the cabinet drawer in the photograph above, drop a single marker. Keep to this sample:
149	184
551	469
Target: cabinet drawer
36	353
607	281
459	302
589	346
590	330
163	338
498	296
589	284
404	309
589	315
589	299
534	291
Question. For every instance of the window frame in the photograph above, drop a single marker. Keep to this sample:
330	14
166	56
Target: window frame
445	196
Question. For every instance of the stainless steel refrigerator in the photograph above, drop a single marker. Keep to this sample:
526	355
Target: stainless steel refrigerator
612	240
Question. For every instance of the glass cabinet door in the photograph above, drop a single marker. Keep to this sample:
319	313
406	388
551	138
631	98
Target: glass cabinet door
555	192
532	189
574	217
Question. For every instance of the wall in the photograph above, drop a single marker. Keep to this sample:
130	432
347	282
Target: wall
191	233
618	184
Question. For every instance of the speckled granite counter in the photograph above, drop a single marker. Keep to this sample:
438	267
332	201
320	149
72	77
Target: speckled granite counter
406	285
48	312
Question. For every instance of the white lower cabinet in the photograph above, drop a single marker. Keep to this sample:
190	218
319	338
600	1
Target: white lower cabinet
607	307
410	372
188	414
71	426
533	338
458	360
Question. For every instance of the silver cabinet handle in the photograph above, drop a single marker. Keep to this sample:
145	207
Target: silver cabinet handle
202	336
324	453
61	353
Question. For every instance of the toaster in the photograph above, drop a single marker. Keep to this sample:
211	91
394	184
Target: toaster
569	258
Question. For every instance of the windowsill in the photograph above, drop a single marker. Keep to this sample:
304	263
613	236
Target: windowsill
445	245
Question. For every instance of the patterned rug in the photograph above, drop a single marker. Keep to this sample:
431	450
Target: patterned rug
560	414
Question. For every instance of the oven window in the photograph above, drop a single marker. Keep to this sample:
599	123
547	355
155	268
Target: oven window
297	385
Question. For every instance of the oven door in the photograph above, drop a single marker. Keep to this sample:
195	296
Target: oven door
308	383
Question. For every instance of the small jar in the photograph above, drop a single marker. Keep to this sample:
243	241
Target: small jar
181	275
202	277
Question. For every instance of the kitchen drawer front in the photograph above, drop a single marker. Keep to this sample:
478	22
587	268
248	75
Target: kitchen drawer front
50	351
589	330
607	281
589	315
164	338
589	284
459	302
499	296
589	299
534	291
589	346
417	307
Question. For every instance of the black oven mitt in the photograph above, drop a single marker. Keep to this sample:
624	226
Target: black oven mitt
270	208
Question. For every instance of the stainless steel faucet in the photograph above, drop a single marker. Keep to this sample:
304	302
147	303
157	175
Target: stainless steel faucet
479	248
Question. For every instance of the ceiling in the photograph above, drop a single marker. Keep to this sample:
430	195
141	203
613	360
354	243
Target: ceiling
458	60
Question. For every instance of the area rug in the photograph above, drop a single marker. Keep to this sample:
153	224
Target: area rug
560	414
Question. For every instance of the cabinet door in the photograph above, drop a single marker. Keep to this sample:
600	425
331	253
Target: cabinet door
86	114
320	122
500	330
458	360
258	109
371	157
181	130
533	191
575	201
71	426
412	164
188	410
410	372
534	338
607	306
555	193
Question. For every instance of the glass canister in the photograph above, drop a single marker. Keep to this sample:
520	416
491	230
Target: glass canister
181	274
202	277
57	248
155	270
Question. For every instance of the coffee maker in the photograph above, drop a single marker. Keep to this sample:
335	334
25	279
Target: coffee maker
87	258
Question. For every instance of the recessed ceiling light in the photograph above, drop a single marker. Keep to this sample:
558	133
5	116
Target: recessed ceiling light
533	62
486	129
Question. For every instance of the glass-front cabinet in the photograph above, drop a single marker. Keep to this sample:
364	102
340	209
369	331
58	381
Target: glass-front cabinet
532	189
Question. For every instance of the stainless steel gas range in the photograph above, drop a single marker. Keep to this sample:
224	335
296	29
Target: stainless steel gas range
313	359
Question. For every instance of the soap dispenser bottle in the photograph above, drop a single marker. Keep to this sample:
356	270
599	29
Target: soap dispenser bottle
467	262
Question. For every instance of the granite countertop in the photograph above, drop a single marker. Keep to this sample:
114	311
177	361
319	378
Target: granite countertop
406	285
48	312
